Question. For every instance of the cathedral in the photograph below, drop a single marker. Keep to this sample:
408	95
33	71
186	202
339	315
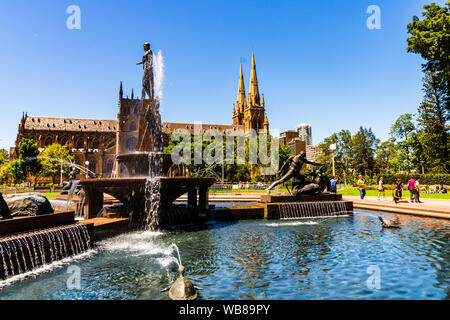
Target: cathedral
250	114
95	143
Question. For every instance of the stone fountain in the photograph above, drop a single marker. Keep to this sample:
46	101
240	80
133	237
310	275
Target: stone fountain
144	188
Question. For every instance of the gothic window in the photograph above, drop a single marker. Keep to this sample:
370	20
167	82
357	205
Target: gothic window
64	142
133	126
95	144
131	143
109	165
48	141
92	165
80	144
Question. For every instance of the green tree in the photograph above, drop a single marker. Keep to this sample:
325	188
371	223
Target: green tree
407	145
385	161
17	170
233	172
284	154
51	159
28	163
433	122
5	172
364	146
343	156
4	156
430	37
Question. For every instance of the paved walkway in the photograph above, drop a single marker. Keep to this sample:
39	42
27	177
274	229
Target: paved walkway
438	208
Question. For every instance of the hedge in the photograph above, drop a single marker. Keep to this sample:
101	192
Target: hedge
425	179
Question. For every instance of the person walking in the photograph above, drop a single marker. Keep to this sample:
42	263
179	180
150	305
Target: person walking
396	194
399	186
417	187
412	189
362	187
381	189
333	184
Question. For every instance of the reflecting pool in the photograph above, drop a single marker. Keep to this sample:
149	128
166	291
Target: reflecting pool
329	258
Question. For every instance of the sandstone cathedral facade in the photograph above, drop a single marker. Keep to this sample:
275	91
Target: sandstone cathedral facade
97	142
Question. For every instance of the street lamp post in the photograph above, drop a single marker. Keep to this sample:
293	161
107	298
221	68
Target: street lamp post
333	149
61	177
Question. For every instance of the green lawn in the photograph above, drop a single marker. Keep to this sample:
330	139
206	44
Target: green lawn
50	195
374	193
282	189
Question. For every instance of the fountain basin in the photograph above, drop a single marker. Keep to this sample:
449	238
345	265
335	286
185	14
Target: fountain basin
131	192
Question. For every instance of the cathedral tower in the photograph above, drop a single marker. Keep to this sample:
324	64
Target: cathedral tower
254	113
241	103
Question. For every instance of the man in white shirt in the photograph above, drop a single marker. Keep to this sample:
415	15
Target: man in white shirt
381	189
417	193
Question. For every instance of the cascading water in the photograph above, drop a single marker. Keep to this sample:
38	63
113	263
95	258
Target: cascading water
294	210
155	160
25	252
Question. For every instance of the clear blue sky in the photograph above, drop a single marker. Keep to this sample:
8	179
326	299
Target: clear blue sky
317	61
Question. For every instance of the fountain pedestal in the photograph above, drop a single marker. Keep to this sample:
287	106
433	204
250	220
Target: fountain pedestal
131	192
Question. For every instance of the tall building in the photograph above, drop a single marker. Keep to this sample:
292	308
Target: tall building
305	133
250	114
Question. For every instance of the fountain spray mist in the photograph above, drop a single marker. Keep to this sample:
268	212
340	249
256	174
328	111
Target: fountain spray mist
158	65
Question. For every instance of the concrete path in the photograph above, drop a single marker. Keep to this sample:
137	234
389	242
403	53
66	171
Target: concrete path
437	208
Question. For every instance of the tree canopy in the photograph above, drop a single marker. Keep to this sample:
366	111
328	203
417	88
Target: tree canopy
430	37
51	159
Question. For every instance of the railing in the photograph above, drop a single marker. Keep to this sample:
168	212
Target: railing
236	186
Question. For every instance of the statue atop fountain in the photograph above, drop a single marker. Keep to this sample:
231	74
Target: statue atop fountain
141	183
150	129
147	65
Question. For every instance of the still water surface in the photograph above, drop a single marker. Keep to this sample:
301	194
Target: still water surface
332	258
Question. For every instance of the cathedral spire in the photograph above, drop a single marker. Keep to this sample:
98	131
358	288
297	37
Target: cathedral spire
132	93
253	93
121	90
241	100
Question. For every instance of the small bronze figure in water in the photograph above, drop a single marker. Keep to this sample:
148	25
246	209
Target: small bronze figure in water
182	288
386	223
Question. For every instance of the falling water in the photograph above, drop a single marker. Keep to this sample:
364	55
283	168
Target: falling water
158	66
150	220
153	192
73	187
296	210
173	246
25	252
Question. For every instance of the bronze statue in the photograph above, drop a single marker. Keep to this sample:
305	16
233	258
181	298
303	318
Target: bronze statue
5	213
67	185
295	166
147	64
317	185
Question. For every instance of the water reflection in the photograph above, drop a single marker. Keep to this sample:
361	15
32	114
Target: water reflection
301	259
